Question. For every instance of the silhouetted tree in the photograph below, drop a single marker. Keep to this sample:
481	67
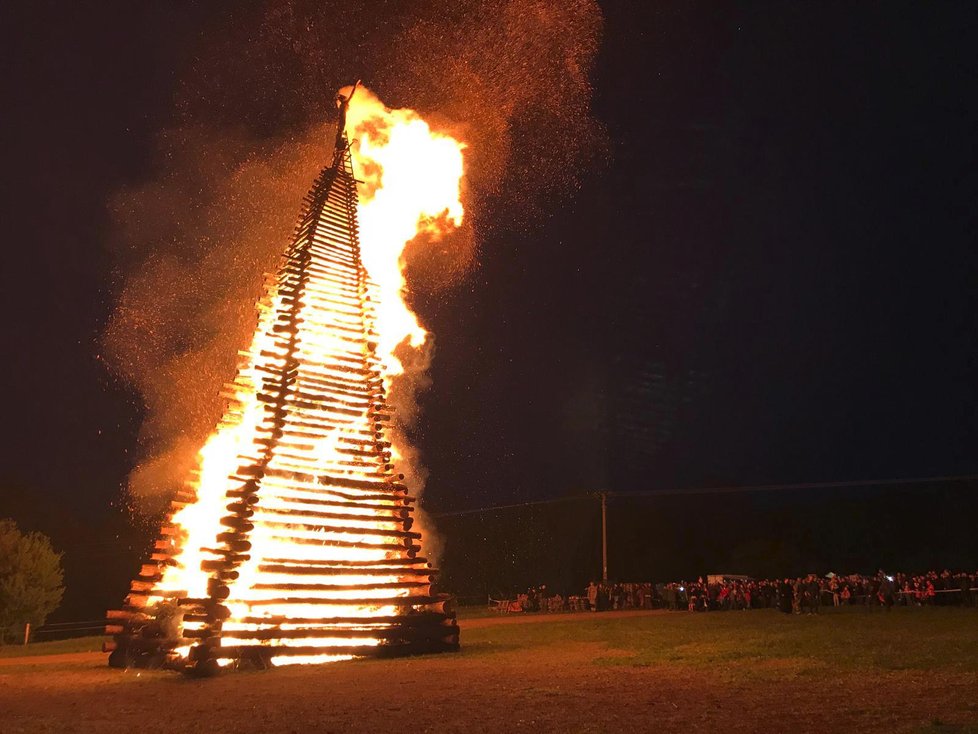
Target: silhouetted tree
30	579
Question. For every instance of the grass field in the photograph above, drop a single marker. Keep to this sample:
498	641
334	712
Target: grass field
57	647
912	670
735	642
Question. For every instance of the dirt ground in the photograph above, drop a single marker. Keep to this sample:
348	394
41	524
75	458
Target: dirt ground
550	687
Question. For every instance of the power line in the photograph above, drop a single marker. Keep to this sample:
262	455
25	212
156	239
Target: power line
720	490
804	485
455	513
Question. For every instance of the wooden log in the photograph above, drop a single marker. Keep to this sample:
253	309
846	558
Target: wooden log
359	359
340	220
338	380
236	651
280	525
345	587
363	441
363	466
222	569
345	498
228	555
325	396
393	633
394	506
374	453
338	300
272	515
362	392
234	543
242	508
374	484
338	286
336	206
415	619
344	571
122	614
402	601
330	238
240	524
340	238
377	482
311	425
347	544
396	562
309	403
324	268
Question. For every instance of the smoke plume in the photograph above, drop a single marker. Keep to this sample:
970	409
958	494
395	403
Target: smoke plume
254	125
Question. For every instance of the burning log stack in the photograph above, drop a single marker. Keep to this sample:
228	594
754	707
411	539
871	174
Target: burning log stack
295	543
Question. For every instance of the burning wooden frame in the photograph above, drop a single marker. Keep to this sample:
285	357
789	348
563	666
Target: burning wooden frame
295	542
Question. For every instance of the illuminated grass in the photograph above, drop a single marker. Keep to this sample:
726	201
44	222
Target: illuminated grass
57	647
750	643
741	644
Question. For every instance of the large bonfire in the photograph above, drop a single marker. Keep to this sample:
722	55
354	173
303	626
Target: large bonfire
293	542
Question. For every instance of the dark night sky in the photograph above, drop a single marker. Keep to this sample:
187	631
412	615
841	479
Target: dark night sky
785	237
773	278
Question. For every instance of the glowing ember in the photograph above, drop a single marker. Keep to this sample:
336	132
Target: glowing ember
295	545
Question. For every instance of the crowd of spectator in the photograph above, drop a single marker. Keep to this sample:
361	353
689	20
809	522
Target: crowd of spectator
803	595
808	594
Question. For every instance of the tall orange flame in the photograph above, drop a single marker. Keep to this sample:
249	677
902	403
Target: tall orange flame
411	184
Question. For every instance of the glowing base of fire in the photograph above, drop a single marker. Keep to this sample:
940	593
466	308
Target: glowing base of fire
309	659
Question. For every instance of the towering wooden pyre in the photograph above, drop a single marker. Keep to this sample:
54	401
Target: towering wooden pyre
295	542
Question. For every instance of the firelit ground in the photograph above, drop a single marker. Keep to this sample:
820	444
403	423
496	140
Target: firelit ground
912	670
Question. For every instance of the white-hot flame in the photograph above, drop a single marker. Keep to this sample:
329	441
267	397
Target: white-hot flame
411	185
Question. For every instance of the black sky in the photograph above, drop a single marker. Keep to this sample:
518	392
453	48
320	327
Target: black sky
772	279
784	245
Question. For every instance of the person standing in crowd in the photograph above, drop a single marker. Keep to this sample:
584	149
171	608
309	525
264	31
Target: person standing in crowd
592	596
834	590
814	592
785	596
964	586
886	591
797	596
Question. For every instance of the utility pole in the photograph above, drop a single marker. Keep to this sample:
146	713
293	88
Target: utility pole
604	537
